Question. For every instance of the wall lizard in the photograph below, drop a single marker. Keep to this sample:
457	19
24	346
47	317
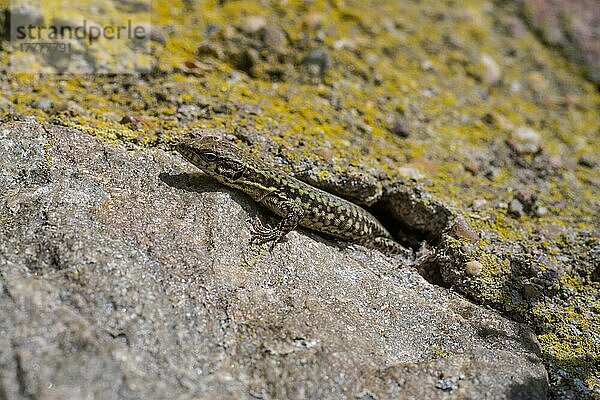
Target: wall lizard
297	202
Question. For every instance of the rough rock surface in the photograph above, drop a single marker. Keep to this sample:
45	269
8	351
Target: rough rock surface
122	275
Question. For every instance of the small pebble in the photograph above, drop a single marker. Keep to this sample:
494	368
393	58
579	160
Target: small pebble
491	73
313	20
377	79
541	211
274	38
498	120
211	49
531	291
467	249
158	35
556	161
473	167
248	59
400	129
131	121
473	268
462	229
525	140
516	86
228	32
587	160
253	24
318	57
234	78
5	104
527	199
410	173
70	107
478	204
516	27
372	58
516	207
195	67
211	29
43	104
345	44
189	111
426	66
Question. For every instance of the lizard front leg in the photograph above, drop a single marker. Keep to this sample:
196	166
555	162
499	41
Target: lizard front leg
292	215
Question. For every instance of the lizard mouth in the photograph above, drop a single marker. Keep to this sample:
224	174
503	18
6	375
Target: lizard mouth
187	152
191	154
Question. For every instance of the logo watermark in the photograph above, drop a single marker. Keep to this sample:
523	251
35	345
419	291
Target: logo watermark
59	36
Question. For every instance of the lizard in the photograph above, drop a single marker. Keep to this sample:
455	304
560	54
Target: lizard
295	201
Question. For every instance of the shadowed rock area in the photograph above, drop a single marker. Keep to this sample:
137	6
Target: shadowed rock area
125	274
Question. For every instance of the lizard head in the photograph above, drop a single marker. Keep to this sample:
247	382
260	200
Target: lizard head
216	157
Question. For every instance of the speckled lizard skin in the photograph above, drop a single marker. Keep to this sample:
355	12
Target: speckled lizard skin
297	202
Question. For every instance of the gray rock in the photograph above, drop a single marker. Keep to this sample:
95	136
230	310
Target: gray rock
125	274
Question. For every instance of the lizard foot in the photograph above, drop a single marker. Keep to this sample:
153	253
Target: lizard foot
262	234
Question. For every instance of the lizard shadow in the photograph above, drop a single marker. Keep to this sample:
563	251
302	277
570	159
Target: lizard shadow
199	182
191	182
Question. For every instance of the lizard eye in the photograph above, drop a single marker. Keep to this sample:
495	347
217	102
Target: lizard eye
209	157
